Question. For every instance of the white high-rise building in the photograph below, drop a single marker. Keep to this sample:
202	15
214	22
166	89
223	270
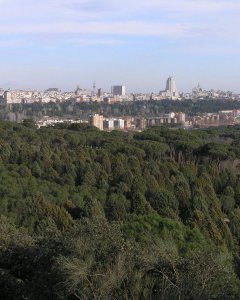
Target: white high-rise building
171	88
7	96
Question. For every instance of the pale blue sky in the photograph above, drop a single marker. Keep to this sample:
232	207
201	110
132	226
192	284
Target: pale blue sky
138	43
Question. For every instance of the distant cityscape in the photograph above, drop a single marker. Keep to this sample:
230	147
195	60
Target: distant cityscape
119	94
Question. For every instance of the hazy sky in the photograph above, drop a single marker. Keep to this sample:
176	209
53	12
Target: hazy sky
139	43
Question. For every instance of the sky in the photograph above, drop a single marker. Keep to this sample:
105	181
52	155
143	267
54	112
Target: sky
137	43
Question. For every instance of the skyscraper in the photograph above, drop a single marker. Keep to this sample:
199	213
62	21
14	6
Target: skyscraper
171	88
118	90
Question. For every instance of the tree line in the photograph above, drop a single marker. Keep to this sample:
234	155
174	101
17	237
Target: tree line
71	108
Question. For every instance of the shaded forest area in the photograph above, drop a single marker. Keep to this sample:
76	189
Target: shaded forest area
71	108
94	215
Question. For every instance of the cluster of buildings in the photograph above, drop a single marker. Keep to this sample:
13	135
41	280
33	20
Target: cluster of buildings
138	123
28	97
127	123
199	93
51	121
109	124
224	117
177	119
118	94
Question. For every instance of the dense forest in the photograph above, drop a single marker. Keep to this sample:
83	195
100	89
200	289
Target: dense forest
71	108
94	215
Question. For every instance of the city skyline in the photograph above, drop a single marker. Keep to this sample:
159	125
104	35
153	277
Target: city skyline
138	43
170	90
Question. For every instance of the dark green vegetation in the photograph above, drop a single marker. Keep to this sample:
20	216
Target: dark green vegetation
17	112
93	215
